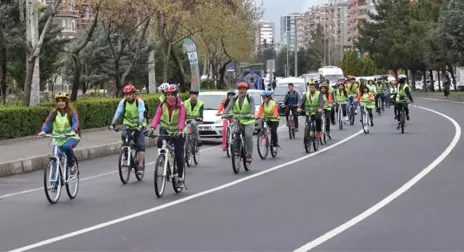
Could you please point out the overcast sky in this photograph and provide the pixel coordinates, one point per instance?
(273, 9)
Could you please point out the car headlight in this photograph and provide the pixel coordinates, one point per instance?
(219, 121)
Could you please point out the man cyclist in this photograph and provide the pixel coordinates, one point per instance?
(314, 104)
(380, 88)
(243, 108)
(270, 110)
(291, 102)
(352, 87)
(400, 98)
(133, 109)
(222, 106)
(171, 115)
(194, 109)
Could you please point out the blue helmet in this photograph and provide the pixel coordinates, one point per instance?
(231, 91)
(266, 93)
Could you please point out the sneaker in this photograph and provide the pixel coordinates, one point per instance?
(276, 149)
(372, 124)
(180, 182)
(73, 170)
(249, 159)
(140, 170)
(398, 126)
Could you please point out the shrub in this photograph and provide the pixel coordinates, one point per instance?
(207, 84)
(20, 121)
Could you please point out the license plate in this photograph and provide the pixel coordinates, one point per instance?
(205, 128)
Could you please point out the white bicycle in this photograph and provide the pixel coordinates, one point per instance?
(53, 180)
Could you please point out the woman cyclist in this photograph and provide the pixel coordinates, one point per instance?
(270, 109)
(341, 97)
(225, 123)
(171, 114)
(63, 120)
(366, 97)
(327, 96)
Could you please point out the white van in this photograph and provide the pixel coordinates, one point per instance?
(331, 73)
(296, 82)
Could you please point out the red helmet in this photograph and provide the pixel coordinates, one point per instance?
(242, 85)
(170, 89)
(351, 77)
(129, 89)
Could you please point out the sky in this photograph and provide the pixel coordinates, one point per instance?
(273, 9)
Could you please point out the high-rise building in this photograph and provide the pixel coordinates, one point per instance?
(357, 15)
(289, 27)
(265, 34)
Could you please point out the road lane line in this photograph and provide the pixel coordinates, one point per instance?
(179, 201)
(334, 232)
(4, 196)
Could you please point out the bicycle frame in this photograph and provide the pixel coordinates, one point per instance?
(54, 175)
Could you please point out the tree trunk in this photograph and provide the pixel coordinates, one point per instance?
(166, 54)
(222, 71)
(432, 83)
(179, 64)
(3, 73)
(439, 79)
(27, 85)
(76, 81)
(413, 73)
(453, 77)
(424, 82)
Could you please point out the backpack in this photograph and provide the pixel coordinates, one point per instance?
(145, 114)
(70, 122)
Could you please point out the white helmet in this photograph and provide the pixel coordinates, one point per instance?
(402, 76)
(163, 86)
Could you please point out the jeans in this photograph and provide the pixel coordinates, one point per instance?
(273, 127)
(398, 107)
(248, 130)
(327, 114)
(179, 143)
(67, 148)
(348, 104)
(294, 112)
(318, 118)
(139, 138)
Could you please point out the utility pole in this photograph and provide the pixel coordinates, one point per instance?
(32, 35)
(151, 67)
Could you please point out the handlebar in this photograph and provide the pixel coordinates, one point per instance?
(175, 135)
(127, 129)
(58, 136)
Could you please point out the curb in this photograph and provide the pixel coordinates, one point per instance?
(40, 162)
(439, 96)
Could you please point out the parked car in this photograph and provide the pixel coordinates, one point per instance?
(212, 124)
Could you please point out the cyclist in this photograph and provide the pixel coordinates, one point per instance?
(171, 115)
(194, 109)
(332, 110)
(328, 100)
(371, 86)
(380, 87)
(243, 108)
(401, 92)
(64, 120)
(224, 103)
(270, 109)
(314, 104)
(352, 87)
(341, 97)
(367, 98)
(133, 110)
(291, 102)
(161, 89)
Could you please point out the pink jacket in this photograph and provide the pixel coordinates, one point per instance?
(182, 114)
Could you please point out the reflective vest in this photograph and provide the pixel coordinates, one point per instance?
(380, 88)
(243, 113)
(162, 98)
(352, 89)
(401, 94)
(269, 110)
(131, 115)
(196, 110)
(170, 124)
(365, 101)
(61, 126)
(372, 88)
(312, 105)
(327, 105)
(340, 97)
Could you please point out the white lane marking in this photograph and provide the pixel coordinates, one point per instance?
(433, 99)
(4, 196)
(392, 196)
(176, 202)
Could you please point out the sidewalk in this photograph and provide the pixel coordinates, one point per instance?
(32, 153)
(459, 97)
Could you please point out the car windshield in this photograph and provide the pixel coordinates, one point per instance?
(280, 91)
(211, 101)
(333, 78)
(256, 96)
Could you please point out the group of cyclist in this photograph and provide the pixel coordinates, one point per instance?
(172, 114)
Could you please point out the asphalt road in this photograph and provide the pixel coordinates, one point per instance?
(280, 205)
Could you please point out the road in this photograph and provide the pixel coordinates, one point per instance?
(282, 204)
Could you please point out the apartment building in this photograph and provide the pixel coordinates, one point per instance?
(289, 27)
(265, 34)
(357, 15)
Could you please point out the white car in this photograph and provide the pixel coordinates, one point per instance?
(212, 124)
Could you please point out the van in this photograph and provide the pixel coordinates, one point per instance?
(331, 73)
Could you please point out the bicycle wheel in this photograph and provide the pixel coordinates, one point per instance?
(124, 163)
(365, 121)
(235, 155)
(160, 174)
(196, 153)
(316, 140)
(48, 182)
(188, 151)
(246, 165)
(379, 105)
(340, 118)
(228, 148)
(402, 121)
(290, 126)
(72, 180)
(324, 135)
(174, 181)
(263, 144)
(352, 115)
(138, 176)
(306, 140)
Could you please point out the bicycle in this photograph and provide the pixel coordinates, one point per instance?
(228, 137)
(263, 137)
(310, 135)
(380, 104)
(387, 101)
(402, 115)
(56, 178)
(340, 116)
(351, 111)
(324, 132)
(237, 147)
(365, 119)
(291, 123)
(192, 150)
(128, 157)
(165, 166)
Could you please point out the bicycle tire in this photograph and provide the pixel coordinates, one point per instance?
(52, 200)
(138, 176)
(340, 119)
(246, 165)
(402, 121)
(352, 115)
(121, 173)
(290, 126)
(228, 148)
(196, 153)
(379, 105)
(188, 151)
(365, 122)
(262, 137)
(72, 195)
(160, 164)
(306, 140)
(233, 156)
(174, 181)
